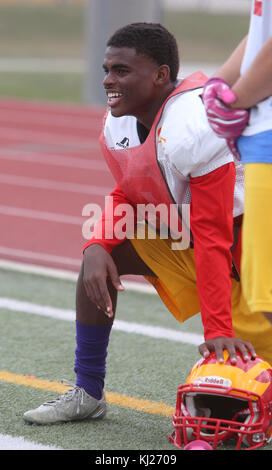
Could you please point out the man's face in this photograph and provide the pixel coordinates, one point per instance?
(129, 82)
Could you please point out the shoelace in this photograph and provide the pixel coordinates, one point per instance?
(69, 395)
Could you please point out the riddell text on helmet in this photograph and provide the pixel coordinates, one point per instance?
(214, 380)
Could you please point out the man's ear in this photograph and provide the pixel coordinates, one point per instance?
(162, 76)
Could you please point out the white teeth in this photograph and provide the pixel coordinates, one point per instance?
(114, 95)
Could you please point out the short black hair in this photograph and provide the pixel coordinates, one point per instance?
(152, 40)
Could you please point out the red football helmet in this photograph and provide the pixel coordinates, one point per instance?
(222, 402)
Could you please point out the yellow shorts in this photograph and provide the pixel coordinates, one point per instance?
(256, 267)
(176, 286)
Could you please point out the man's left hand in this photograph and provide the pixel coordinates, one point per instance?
(232, 345)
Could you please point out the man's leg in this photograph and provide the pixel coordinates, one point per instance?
(93, 327)
(127, 262)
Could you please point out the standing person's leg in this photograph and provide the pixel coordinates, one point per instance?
(257, 228)
(93, 327)
(253, 296)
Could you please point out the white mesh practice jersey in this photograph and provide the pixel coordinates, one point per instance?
(186, 145)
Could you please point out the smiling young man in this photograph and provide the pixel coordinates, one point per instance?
(158, 144)
(129, 84)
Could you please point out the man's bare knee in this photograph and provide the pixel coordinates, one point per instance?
(268, 315)
(128, 261)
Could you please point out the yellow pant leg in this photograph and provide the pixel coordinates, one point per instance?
(176, 276)
(256, 268)
(252, 327)
(176, 285)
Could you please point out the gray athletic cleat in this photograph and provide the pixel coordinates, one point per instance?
(75, 404)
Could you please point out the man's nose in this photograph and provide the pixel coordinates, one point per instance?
(109, 80)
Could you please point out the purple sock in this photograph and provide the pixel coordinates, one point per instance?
(90, 362)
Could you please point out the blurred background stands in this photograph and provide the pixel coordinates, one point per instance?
(53, 49)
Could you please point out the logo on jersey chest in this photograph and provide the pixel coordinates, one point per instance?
(124, 143)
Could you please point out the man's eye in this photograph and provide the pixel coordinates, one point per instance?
(122, 71)
(116, 71)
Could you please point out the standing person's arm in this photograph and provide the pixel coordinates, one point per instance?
(230, 70)
(217, 95)
(256, 83)
(228, 93)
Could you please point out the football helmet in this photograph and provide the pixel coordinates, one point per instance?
(225, 402)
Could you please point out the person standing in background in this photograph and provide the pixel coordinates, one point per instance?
(238, 103)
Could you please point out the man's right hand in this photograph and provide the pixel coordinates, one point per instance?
(232, 345)
(98, 266)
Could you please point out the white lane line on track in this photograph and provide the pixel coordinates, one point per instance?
(41, 257)
(65, 139)
(46, 158)
(8, 442)
(119, 325)
(43, 117)
(41, 183)
(40, 215)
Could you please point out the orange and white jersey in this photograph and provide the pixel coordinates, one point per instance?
(180, 158)
(186, 146)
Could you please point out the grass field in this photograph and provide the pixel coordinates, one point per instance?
(143, 371)
(58, 32)
(37, 312)
(140, 368)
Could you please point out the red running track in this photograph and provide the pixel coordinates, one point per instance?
(50, 168)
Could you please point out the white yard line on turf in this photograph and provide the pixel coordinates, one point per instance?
(119, 325)
(69, 315)
(64, 274)
(8, 442)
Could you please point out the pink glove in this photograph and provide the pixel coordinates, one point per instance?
(226, 122)
(231, 143)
